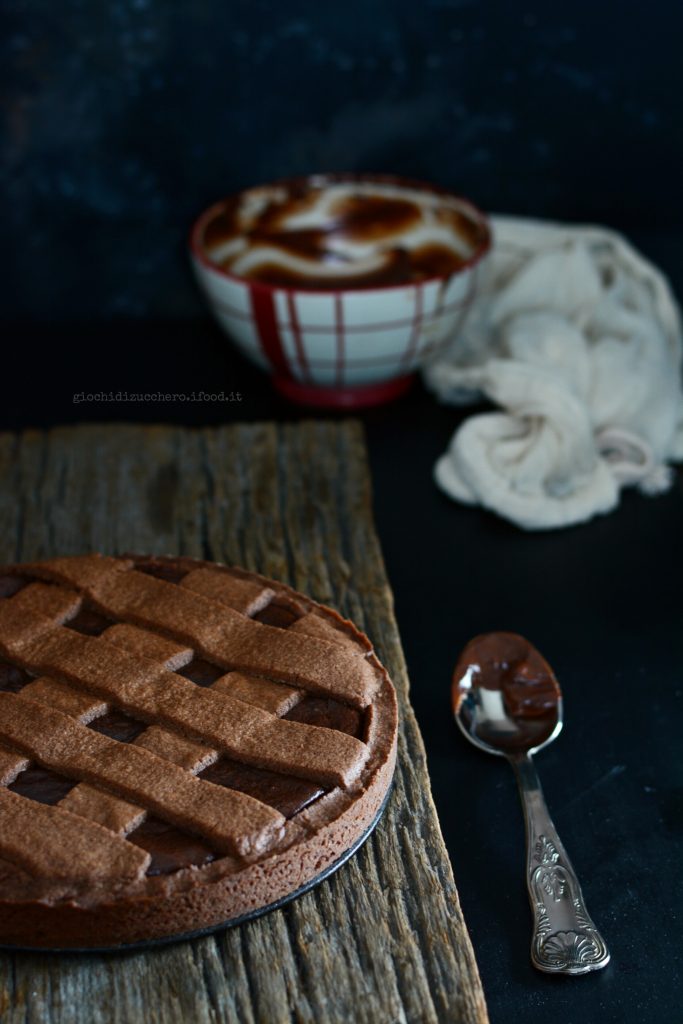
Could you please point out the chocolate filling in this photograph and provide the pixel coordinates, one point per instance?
(118, 726)
(170, 573)
(89, 623)
(170, 848)
(288, 795)
(201, 672)
(12, 678)
(278, 613)
(11, 585)
(328, 713)
(41, 784)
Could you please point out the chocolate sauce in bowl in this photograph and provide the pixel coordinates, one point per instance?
(368, 217)
(342, 234)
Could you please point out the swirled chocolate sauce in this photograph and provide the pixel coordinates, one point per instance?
(340, 235)
(522, 709)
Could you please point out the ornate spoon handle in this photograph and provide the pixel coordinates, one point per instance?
(565, 940)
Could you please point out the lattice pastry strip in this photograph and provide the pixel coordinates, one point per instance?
(231, 820)
(135, 684)
(111, 811)
(61, 696)
(214, 629)
(52, 843)
(77, 703)
(245, 596)
(122, 816)
(116, 813)
(11, 764)
(225, 589)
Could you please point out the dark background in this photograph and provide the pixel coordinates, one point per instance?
(124, 120)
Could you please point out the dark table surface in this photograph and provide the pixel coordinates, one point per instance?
(602, 601)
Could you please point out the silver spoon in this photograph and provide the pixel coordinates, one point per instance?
(507, 701)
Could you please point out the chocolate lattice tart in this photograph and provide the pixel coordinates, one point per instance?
(181, 744)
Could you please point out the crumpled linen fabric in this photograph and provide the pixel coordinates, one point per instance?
(576, 338)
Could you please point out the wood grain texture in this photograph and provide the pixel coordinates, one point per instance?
(381, 941)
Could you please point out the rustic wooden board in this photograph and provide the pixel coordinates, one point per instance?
(384, 939)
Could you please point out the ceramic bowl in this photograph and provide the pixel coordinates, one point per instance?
(340, 285)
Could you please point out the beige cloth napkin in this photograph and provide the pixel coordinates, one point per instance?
(577, 339)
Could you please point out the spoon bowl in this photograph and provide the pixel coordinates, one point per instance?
(506, 699)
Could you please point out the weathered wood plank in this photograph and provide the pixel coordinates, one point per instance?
(381, 941)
